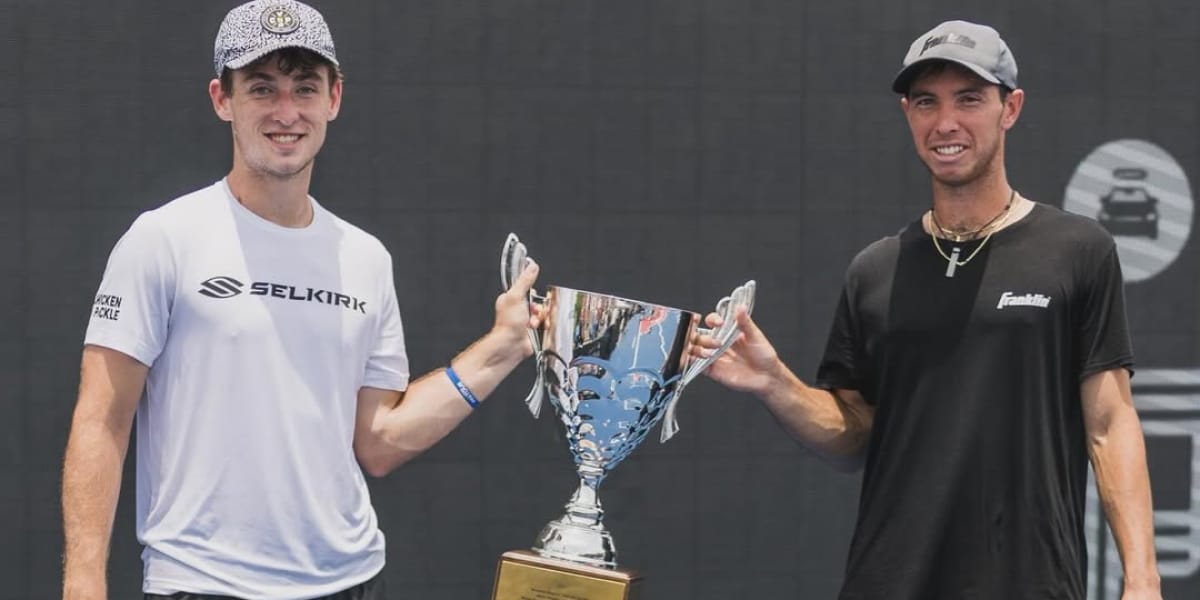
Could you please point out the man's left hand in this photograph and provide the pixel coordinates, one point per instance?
(515, 313)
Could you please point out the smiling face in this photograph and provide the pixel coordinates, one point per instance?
(958, 122)
(279, 112)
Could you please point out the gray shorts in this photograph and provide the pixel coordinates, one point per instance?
(371, 589)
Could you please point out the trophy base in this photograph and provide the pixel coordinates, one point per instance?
(563, 540)
(523, 575)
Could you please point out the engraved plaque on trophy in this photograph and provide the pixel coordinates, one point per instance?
(612, 368)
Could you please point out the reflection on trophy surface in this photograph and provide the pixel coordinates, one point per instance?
(612, 368)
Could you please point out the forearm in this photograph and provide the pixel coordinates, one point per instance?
(486, 363)
(1119, 460)
(91, 486)
(432, 406)
(834, 427)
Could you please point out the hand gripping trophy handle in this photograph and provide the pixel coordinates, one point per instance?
(513, 259)
(725, 335)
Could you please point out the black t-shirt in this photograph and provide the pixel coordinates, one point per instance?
(976, 468)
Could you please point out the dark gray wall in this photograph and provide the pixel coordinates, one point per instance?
(659, 149)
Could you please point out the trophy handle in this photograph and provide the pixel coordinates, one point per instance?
(513, 259)
(743, 295)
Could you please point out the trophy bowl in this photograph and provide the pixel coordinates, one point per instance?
(612, 368)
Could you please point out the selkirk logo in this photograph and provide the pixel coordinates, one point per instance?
(1010, 299)
(223, 286)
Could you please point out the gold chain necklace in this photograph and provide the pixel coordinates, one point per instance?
(952, 258)
(967, 235)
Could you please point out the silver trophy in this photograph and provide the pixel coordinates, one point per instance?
(613, 368)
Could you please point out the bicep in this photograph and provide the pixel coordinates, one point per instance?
(110, 385)
(855, 406)
(1104, 395)
(373, 403)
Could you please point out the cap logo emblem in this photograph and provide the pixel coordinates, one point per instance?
(949, 38)
(280, 20)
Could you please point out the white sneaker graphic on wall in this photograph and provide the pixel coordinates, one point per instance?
(1010, 299)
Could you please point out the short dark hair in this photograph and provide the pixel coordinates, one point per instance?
(288, 60)
(937, 67)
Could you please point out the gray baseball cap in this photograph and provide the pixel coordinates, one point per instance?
(256, 29)
(976, 47)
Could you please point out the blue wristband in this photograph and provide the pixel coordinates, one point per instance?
(462, 388)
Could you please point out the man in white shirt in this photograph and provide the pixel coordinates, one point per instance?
(258, 340)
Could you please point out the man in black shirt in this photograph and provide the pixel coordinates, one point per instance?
(977, 360)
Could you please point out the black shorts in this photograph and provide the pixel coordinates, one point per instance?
(371, 589)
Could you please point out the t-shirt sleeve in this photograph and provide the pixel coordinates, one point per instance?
(387, 364)
(841, 365)
(1104, 331)
(133, 305)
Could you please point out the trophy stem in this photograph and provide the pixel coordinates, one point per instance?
(579, 535)
(584, 507)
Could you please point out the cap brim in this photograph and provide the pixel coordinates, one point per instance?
(250, 57)
(904, 78)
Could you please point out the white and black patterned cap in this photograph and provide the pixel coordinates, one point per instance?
(256, 29)
(974, 46)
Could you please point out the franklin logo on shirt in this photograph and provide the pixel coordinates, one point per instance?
(222, 286)
(1008, 299)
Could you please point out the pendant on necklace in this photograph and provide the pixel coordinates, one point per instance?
(953, 262)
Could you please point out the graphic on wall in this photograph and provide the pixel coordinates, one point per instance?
(1141, 195)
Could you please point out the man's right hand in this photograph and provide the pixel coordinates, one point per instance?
(835, 424)
(750, 364)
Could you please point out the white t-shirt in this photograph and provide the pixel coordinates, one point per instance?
(258, 338)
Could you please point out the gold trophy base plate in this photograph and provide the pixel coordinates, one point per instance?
(524, 575)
